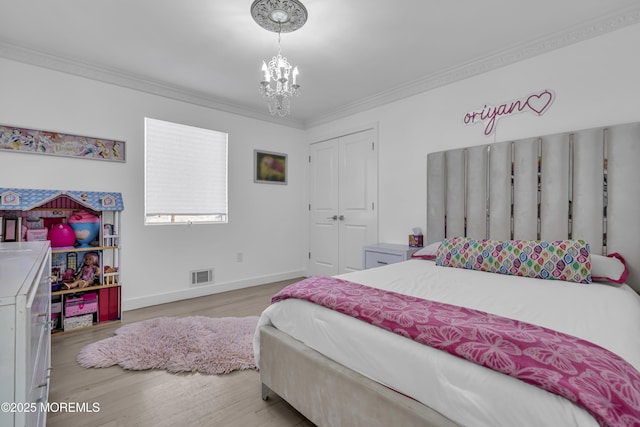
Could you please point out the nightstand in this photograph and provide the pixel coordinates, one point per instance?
(385, 253)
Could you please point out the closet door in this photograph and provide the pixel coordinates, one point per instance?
(324, 208)
(343, 208)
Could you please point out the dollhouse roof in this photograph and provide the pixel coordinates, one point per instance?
(24, 199)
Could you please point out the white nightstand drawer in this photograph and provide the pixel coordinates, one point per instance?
(385, 253)
(377, 259)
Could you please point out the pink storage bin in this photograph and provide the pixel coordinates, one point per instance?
(86, 304)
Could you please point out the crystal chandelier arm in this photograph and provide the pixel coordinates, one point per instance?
(265, 70)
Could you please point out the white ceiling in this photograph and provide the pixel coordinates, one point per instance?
(352, 54)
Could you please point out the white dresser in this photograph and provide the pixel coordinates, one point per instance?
(25, 333)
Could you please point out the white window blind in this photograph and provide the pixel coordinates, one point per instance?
(185, 173)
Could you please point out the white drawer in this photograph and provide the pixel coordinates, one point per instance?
(39, 317)
(41, 361)
(378, 259)
(39, 395)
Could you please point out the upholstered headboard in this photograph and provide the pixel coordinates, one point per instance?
(577, 185)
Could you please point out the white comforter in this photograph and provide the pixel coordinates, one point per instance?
(462, 391)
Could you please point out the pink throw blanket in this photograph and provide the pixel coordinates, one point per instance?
(596, 379)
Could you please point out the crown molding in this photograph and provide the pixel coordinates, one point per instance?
(136, 82)
(619, 20)
(616, 21)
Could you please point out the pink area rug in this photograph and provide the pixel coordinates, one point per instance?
(177, 344)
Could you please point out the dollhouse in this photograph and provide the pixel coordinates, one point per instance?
(84, 230)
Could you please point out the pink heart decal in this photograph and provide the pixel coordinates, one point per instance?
(539, 103)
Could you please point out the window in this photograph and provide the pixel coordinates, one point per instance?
(185, 172)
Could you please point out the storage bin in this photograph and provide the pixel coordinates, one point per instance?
(56, 307)
(109, 304)
(78, 322)
(87, 303)
(55, 321)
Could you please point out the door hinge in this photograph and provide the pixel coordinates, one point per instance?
(309, 206)
(309, 255)
(373, 146)
(373, 206)
(309, 159)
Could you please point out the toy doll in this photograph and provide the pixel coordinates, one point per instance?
(87, 274)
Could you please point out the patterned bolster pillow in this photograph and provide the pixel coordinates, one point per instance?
(567, 260)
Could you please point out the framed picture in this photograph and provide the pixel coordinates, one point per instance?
(35, 141)
(269, 168)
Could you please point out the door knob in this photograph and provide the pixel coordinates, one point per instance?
(335, 217)
(341, 217)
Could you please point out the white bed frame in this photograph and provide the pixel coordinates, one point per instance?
(579, 185)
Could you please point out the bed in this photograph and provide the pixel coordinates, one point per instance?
(577, 187)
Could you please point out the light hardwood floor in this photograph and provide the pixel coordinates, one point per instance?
(157, 398)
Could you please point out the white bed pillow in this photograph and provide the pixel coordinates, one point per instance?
(610, 268)
(428, 252)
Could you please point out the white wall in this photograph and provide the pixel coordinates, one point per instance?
(267, 223)
(596, 82)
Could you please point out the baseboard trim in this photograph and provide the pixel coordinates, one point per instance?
(146, 301)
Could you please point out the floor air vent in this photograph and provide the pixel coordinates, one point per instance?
(202, 277)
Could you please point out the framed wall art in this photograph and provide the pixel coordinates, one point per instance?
(269, 168)
(59, 144)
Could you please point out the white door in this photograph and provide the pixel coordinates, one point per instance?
(343, 202)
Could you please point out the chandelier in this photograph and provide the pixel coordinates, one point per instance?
(279, 81)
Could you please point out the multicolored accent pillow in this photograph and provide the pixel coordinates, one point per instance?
(568, 260)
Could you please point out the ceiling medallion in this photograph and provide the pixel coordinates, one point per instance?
(279, 16)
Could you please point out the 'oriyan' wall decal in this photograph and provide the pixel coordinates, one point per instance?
(536, 103)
